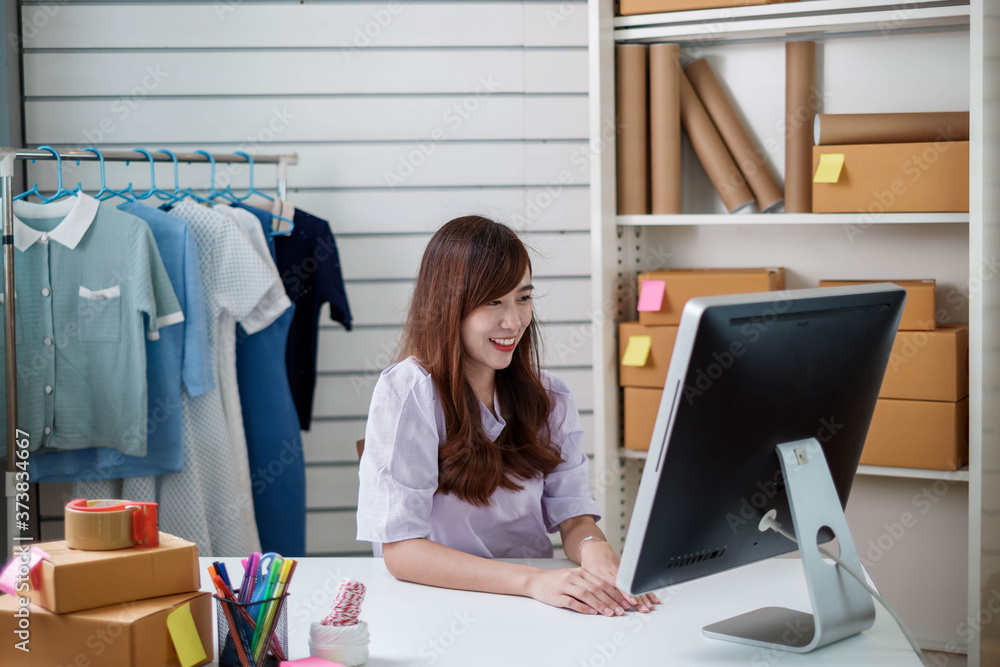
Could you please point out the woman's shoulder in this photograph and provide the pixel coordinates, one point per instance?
(405, 376)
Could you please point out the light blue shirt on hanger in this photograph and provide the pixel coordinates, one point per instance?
(179, 361)
(85, 277)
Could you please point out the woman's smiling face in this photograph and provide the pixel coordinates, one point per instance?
(491, 331)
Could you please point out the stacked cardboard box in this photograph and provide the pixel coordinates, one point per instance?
(922, 416)
(645, 347)
(106, 607)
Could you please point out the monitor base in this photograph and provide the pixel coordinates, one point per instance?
(842, 607)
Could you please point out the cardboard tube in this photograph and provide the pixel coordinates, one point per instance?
(711, 150)
(665, 127)
(751, 160)
(800, 109)
(633, 129)
(890, 128)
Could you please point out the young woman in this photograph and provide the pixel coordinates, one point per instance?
(471, 452)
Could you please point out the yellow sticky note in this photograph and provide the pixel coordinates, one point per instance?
(829, 168)
(185, 636)
(637, 350)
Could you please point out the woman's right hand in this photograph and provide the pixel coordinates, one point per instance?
(579, 590)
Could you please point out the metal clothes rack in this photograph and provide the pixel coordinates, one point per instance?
(8, 156)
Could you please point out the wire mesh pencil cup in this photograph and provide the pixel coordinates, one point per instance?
(238, 649)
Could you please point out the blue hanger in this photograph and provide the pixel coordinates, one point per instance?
(253, 191)
(213, 193)
(105, 192)
(60, 190)
(152, 175)
(176, 195)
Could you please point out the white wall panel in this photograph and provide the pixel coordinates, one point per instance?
(333, 533)
(411, 210)
(390, 167)
(351, 27)
(306, 72)
(332, 486)
(385, 303)
(361, 118)
(404, 115)
(333, 441)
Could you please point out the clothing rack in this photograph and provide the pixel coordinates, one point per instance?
(8, 156)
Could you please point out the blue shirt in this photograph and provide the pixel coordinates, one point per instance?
(310, 268)
(179, 360)
(274, 440)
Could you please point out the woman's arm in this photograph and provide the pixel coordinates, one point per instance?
(425, 562)
(597, 556)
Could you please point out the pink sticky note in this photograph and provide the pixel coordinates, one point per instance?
(8, 578)
(309, 662)
(651, 294)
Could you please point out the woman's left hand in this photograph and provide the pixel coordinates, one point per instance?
(601, 560)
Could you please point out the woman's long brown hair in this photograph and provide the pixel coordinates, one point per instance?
(468, 262)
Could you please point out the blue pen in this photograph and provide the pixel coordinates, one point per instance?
(221, 567)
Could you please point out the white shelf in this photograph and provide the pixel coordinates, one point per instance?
(808, 19)
(861, 219)
(960, 475)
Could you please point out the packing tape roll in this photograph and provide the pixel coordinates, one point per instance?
(102, 525)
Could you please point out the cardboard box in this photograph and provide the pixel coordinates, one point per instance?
(629, 7)
(896, 178)
(130, 634)
(918, 312)
(654, 373)
(918, 434)
(929, 365)
(685, 284)
(72, 580)
(641, 406)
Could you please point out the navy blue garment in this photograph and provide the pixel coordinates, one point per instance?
(274, 441)
(310, 269)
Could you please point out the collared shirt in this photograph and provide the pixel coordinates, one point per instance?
(399, 475)
(85, 277)
(310, 268)
(178, 361)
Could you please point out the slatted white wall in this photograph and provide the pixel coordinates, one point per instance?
(404, 115)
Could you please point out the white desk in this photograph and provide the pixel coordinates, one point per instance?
(413, 625)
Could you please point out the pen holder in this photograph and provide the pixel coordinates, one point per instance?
(346, 645)
(237, 624)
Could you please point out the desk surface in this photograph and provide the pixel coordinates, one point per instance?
(413, 625)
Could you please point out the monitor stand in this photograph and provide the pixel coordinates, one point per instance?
(841, 606)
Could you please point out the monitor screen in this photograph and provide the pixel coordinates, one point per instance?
(749, 372)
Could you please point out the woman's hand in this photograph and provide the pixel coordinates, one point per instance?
(577, 589)
(600, 559)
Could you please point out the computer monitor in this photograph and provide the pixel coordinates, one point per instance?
(750, 372)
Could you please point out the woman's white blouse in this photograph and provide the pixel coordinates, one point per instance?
(399, 475)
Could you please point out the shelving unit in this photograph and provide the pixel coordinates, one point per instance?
(960, 475)
(745, 47)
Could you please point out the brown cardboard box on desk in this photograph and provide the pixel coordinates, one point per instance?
(895, 178)
(652, 373)
(72, 580)
(684, 284)
(641, 406)
(929, 365)
(627, 7)
(918, 312)
(918, 434)
(129, 634)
